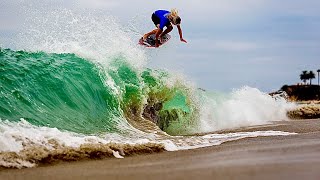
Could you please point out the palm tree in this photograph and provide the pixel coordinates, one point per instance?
(318, 71)
(311, 76)
(304, 76)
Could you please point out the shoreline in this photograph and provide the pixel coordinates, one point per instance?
(275, 157)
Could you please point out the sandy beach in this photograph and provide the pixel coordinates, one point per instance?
(278, 157)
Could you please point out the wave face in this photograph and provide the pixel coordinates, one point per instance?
(55, 90)
(68, 87)
(70, 93)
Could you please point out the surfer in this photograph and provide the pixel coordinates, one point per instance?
(162, 18)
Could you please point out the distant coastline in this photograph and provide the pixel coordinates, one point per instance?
(302, 92)
(306, 96)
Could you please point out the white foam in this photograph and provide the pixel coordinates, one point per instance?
(15, 135)
(116, 154)
(194, 142)
(17, 163)
(243, 107)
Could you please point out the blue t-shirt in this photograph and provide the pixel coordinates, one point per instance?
(162, 15)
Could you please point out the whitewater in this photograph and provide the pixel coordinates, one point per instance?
(77, 86)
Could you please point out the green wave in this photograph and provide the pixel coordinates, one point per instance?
(71, 93)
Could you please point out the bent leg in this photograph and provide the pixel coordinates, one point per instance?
(169, 29)
(145, 36)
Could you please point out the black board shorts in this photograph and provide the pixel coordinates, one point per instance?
(156, 20)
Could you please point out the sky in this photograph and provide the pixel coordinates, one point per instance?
(258, 43)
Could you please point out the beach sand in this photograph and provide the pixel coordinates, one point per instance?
(277, 157)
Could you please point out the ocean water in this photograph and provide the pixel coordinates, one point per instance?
(76, 86)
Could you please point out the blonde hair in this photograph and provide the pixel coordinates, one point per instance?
(174, 13)
(175, 16)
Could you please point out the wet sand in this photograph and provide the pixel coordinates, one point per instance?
(277, 157)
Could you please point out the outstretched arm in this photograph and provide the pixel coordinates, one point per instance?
(180, 33)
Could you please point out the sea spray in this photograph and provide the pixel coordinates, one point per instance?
(91, 35)
(242, 107)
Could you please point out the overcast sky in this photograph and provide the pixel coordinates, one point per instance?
(259, 43)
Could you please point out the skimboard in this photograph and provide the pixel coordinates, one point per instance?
(151, 42)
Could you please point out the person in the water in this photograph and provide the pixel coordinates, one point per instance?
(162, 18)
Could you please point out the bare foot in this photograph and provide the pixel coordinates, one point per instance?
(144, 37)
(161, 39)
